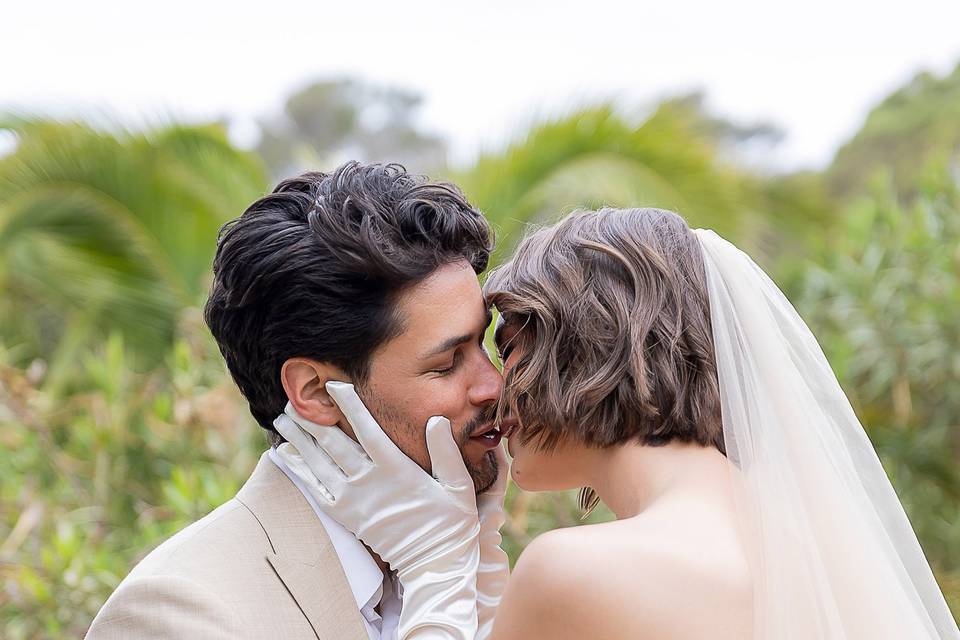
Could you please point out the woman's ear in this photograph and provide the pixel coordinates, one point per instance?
(305, 381)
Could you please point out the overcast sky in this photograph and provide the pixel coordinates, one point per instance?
(486, 69)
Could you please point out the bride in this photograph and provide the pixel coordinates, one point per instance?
(659, 368)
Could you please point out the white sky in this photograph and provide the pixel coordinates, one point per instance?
(486, 70)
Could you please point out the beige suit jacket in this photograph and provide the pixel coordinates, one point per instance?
(259, 566)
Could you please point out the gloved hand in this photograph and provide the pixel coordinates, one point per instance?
(494, 570)
(427, 529)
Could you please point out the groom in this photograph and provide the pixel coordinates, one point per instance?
(366, 275)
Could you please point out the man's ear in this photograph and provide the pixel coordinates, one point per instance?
(305, 381)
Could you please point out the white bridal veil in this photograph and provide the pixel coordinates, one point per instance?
(832, 552)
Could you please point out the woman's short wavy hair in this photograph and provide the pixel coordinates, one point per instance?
(614, 332)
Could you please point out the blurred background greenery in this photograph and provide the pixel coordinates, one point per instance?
(118, 421)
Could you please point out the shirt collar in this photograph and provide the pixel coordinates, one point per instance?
(363, 573)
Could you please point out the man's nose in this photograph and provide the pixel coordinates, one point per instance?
(487, 385)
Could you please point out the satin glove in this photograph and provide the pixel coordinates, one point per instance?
(427, 529)
(494, 570)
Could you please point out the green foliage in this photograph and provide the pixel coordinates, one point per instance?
(678, 157)
(914, 129)
(103, 231)
(119, 424)
(884, 301)
(598, 157)
(331, 121)
(94, 479)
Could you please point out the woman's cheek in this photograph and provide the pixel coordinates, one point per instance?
(516, 473)
(521, 468)
(535, 470)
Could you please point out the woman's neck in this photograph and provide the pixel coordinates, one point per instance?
(631, 477)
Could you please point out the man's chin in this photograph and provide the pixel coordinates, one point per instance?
(483, 472)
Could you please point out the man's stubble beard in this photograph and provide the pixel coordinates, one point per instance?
(484, 473)
(401, 431)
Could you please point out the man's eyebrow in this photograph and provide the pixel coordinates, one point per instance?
(456, 341)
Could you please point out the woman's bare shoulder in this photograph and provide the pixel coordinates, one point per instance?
(617, 579)
(546, 595)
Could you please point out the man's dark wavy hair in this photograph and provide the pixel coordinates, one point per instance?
(315, 268)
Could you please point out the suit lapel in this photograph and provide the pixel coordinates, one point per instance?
(304, 558)
(329, 607)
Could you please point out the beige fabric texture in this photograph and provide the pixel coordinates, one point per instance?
(259, 566)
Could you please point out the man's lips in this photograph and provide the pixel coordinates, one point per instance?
(487, 430)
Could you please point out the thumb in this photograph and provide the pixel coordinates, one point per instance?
(445, 457)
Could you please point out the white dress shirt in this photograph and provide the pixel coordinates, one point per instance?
(369, 584)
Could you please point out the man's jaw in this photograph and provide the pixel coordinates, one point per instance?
(484, 474)
(482, 435)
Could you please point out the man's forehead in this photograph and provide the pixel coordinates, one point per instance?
(447, 305)
(447, 294)
(446, 281)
